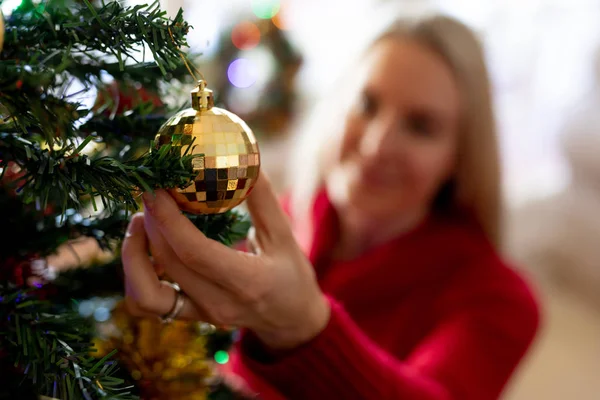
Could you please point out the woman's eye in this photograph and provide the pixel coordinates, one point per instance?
(421, 125)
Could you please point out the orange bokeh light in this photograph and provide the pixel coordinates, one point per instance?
(245, 35)
(279, 22)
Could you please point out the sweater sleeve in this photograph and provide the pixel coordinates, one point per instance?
(470, 355)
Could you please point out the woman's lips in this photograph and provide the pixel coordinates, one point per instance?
(375, 177)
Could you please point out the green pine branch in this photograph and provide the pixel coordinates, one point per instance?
(94, 281)
(31, 231)
(228, 228)
(53, 75)
(149, 74)
(49, 46)
(66, 175)
(31, 103)
(142, 123)
(40, 325)
(106, 280)
(110, 29)
(50, 343)
(41, 232)
(34, 232)
(29, 111)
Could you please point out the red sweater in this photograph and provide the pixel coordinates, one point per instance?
(434, 314)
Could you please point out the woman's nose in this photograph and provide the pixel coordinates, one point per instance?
(382, 139)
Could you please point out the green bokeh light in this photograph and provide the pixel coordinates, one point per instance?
(265, 9)
(222, 357)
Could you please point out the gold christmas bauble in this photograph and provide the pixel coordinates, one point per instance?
(230, 161)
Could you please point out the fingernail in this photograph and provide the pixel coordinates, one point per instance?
(148, 199)
(136, 225)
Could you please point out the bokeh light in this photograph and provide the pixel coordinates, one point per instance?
(281, 19)
(244, 101)
(279, 22)
(265, 9)
(86, 308)
(242, 73)
(222, 357)
(102, 314)
(245, 35)
(9, 5)
(137, 375)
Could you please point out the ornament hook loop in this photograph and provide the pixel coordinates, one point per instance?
(202, 98)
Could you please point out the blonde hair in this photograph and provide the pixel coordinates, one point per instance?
(477, 178)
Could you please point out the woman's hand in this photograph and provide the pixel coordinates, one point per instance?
(272, 292)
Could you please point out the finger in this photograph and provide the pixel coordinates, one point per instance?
(169, 261)
(268, 217)
(188, 311)
(161, 251)
(209, 295)
(209, 258)
(132, 307)
(179, 231)
(207, 298)
(252, 243)
(145, 288)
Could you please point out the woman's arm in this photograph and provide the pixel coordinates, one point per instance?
(470, 355)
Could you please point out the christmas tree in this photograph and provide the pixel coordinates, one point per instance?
(84, 87)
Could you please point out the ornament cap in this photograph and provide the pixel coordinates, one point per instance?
(202, 98)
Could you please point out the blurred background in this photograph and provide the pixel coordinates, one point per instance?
(270, 61)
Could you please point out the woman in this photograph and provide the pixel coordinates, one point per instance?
(389, 286)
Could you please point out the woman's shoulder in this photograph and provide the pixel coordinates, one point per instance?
(487, 280)
(457, 236)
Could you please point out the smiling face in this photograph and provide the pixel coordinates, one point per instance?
(400, 137)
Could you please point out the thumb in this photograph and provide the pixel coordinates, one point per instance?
(179, 232)
(161, 207)
(134, 251)
(145, 287)
(136, 226)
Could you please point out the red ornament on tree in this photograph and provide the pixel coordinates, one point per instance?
(120, 97)
(11, 177)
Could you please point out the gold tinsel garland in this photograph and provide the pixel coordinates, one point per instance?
(167, 361)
